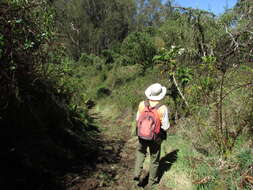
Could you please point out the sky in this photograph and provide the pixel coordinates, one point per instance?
(216, 6)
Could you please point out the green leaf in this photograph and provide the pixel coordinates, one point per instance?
(157, 57)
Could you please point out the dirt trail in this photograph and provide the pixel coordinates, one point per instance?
(114, 163)
(113, 168)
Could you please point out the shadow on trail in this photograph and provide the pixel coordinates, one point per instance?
(45, 146)
(165, 164)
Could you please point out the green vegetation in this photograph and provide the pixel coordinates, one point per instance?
(62, 62)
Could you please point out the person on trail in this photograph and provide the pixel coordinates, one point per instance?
(152, 124)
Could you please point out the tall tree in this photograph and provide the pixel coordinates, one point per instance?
(150, 13)
(91, 26)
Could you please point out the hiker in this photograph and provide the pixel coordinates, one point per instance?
(152, 139)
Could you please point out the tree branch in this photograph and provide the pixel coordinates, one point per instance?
(192, 9)
(236, 88)
(180, 92)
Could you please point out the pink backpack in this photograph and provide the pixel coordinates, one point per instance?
(149, 124)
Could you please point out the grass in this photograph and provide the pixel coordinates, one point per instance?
(196, 170)
(179, 175)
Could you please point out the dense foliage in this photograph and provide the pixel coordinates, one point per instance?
(40, 130)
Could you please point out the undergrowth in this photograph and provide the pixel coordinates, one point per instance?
(116, 92)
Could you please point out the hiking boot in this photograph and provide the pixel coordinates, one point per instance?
(144, 174)
(141, 177)
(135, 185)
(136, 178)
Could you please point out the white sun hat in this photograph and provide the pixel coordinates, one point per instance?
(155, 92)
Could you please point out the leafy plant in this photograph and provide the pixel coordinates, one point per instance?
(140, 48)
(168, 58)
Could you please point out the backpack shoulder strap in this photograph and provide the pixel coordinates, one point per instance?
(157, 106)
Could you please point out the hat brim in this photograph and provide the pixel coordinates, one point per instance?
(158, 97)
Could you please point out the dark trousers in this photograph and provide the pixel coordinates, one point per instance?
(154, 149)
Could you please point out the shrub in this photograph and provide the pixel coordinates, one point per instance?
(140, 48)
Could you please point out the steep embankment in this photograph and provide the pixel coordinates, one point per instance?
(41, 141)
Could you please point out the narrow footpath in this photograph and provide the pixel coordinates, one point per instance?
(114, 163)
(113, 169)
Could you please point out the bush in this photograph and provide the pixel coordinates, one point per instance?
(90, 59)
(140, 48)
(26, 44)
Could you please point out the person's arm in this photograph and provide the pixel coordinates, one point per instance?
(137, 115)
(165, 124)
